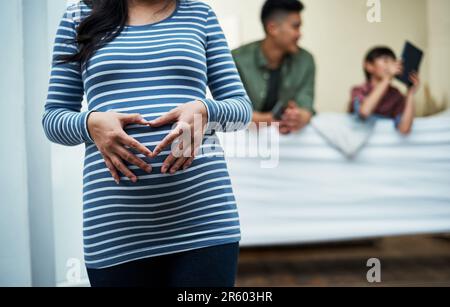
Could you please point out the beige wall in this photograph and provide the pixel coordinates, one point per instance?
(439, 49)
(338, 34)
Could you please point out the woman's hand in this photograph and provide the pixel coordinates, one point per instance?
(107, 131)
(186, 137)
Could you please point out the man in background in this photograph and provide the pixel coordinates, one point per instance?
(276, 71)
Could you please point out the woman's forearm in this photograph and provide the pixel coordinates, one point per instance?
(230, 114)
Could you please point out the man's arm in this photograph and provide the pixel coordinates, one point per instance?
(304, 97)
(301, 110)
(294, 118)
(263, 117)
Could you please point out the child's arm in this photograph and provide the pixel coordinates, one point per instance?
(406, 122)
(369, 104)
(408, 115)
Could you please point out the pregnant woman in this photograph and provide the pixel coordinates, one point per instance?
(158, 204)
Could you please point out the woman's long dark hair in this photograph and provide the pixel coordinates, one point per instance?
(105, 22)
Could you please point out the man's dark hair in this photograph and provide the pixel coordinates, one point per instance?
(273, 7)
(376, 53)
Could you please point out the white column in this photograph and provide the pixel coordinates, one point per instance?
(36, 59)
(15, 254)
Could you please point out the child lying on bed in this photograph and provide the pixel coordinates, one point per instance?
(377, 97)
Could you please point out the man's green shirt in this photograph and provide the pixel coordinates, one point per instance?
(297, 75)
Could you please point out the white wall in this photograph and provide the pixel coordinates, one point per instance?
(338, 34)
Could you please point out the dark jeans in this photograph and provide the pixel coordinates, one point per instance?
(206, 267)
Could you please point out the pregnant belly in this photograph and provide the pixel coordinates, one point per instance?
(207, 175)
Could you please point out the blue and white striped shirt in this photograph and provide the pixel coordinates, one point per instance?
(150, 69)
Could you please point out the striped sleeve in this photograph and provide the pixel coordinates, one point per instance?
(63, 121)
(230, 109)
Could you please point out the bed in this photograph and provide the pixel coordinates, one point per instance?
(394, 185)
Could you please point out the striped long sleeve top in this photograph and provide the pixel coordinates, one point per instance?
(150, 69)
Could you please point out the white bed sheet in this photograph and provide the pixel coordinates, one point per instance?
(394, 186)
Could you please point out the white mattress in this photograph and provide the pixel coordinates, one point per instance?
(394, 186)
